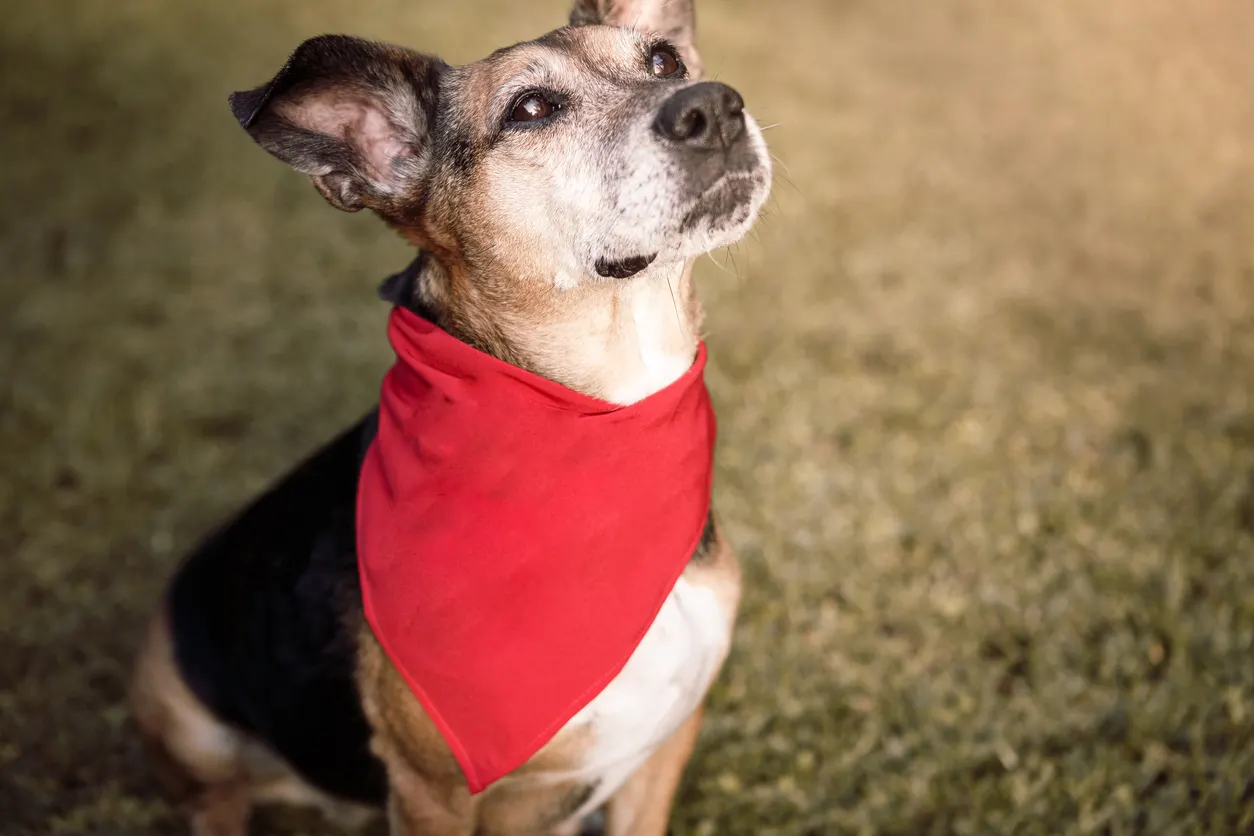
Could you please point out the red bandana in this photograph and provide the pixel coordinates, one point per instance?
(516, 538)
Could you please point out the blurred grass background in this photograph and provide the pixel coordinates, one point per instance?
(985, 376)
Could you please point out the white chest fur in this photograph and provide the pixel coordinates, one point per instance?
(661, 685)
(657, 344)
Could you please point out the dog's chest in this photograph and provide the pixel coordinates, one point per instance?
(659, 688)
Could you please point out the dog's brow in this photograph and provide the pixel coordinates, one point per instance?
(535, 73)
(595, 50)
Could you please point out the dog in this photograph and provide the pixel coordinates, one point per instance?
(558, 192)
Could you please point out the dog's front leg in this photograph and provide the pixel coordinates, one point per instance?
(642, 807)
(427, 794)
(416, 808)
(422, 801)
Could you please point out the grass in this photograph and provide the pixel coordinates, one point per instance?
(985, 376)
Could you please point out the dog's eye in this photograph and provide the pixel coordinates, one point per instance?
(532, 107)
(664, 63)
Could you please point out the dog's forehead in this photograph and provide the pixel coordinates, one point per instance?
(589, 52)
(599, 47)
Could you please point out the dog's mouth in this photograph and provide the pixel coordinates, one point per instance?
(623, 268)
(728, 196)
(713, 208)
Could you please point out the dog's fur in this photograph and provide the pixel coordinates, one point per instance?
(563, 246)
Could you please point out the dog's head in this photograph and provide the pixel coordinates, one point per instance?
(585, 155)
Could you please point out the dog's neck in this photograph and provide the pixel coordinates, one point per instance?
(618, 340)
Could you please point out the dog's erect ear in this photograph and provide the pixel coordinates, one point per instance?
(674, 20)
(354, 115)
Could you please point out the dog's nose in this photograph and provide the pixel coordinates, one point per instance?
(705, 116)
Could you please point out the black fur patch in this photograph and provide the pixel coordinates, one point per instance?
(259, 615)
(400, 289)
(709, 535)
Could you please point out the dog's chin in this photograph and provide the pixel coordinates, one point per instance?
(721, 215)
(717, 217)
(716, 232)
(696, 241)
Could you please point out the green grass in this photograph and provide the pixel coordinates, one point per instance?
(985, 376)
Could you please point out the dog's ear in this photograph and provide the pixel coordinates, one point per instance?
(674, 20)
(354, 115)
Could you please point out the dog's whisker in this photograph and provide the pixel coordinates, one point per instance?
(790, 183)
(679, 320)
(710, 255)
(785, 176)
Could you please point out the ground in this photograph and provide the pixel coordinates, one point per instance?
(985, 375)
